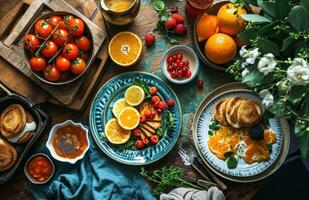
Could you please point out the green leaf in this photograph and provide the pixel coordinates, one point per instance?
(254, 78)
(267, 29)
(267, 46)
(232, 163)
(247, 35)
(253, 2)
(304, 3)
(299, 46)
(255, 18)
(287, 42)
(296, 94)
(268, 7)
(158, 5)
(298, 18)
(282, 8)
(303, 142)
(228, 154)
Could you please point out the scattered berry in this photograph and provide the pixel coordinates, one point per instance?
(199, 83)
(154, 139)
(145, 141)
(142, 118)
(179, 18)
(155, 99)
(170, 102)
(162, 105)
(153, 90)
(147, 113)
(137, 132)
(150, 38)
(171, 23)
(139, 144)
(181, 29)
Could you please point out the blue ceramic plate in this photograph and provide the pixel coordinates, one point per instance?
(243, 169)
(101, 112)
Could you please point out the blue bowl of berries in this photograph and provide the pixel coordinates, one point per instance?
(180, 64)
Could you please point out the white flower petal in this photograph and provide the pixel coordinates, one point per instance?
(268, 98)
(244, 72)
(267, 64)
(298, 72)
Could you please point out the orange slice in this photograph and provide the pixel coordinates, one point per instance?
(118, 106)
(125, 48)
(134, 95)
(115, 134)
(128, 118)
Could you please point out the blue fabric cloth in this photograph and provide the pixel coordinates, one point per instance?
(96, 176)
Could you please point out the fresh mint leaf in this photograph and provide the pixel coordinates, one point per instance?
(228, 154)
(232, 163)
(158, 5)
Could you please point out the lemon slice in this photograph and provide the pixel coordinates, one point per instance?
(119, 105)
(134, 95)
(115, 134)
(125, 48)
(128, 118)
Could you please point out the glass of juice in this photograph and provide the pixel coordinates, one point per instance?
(120, 12)
(195, 7)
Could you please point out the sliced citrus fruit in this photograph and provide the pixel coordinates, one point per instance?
(115, 134)
(134, 95)
(128, 118)
(125, 48)
(119, 105)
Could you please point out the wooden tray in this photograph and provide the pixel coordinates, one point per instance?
(73, 95)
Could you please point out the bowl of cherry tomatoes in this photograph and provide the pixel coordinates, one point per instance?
(58, 47)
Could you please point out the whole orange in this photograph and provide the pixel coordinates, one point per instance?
(220, 48)
(206, 26)
(229, 19)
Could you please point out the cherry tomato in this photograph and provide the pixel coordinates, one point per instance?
(83, 43)
(42, 29)
(51, 73)
(60, 37)
(76, 26)
(139, 144)
(83, 55)
(49, 49)
(38, 24)
(142, 118)
(66, 22)
(54, 21)
(31, 42)
(37, 63)
(154, 139)
(78, 66)
(62, 63)
(153, 90)
(70, 51)
(145, 141)
(137, 132)
(155, 99)
(170, 102)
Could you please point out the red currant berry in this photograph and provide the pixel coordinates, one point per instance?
(179, 56)
(173, 75)
(185, 68)
(174, 58)
(170, 102)
(188, 74)
(186, 63)
(180, 73)
(170, 68)
(170, 60)
(199, 83)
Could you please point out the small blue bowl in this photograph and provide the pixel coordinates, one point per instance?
(187, 54)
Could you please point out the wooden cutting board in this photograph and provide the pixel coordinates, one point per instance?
(14, 72)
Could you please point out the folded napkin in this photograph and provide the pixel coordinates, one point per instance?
(212, 193)
(94, 177)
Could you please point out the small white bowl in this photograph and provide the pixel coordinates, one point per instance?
(51, 148)
(30, 177)
(187, 54)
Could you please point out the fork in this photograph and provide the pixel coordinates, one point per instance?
(190, 157)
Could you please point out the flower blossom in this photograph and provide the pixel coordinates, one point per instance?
(267, 64)
(298, 72)
(268, 98)
(249, 55)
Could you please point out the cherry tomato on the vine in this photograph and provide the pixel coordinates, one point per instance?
(55, 20)
(76, 26)
(66, 22)
(70, 51)
(42, 29)
(83, 43)
(31, 42)
(51, 73)
(60, 37)
(62, 63)
(37, 63)
(49, 49)
(78, 66)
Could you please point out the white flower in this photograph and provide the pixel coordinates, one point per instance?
(282, 85)
(268, 98)
(249, 55)
(244, 72)
(267, 64)
(298, 72)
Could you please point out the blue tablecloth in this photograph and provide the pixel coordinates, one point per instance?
(96, 176)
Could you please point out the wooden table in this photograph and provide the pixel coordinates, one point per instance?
(145, 22)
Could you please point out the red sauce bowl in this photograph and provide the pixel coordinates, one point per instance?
(39, 168)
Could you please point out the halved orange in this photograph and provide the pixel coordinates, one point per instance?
(115, 134)
(125, 48)
(128, 118)
(134, 95)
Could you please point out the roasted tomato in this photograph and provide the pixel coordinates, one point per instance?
(76, 26)
(66, 22)
(51, 73)
(54, 21)
(60, 36)
(42, 29)
(83, 43)
(70, 51)
(78, 66)
(62, 63)
(31, 42)
(49, 49)
(37, 63)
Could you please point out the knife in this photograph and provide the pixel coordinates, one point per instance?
(200, 182)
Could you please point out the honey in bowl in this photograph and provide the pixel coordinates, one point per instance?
(118, 5)
(69, 141)
(40, 168)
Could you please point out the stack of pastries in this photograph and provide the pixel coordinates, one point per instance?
(238, 112)
(16, 126)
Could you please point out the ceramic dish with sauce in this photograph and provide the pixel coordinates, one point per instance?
(39, 168)
(68, 141)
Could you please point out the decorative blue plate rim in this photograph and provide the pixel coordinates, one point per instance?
(97, 115)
